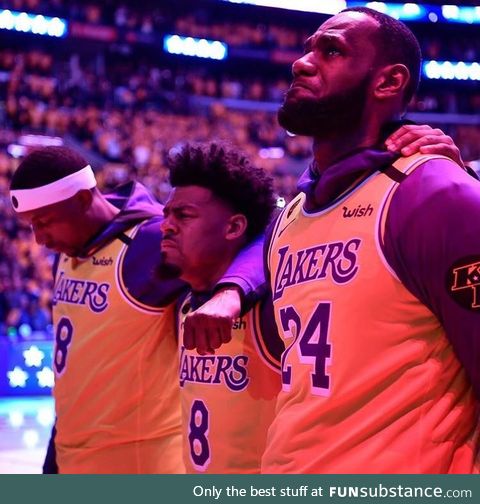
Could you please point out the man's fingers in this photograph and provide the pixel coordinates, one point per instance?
(414, 145)
(202, 342)
(205, 333)
(408, 133)
(411, 138)
(448, 150)
(214, 338)
(433, 145)
(189, 340)
(226, 332)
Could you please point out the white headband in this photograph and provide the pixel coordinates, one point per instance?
(24, 200)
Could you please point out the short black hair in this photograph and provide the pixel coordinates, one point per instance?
(230, 176)
(46, 165)
(396, 44)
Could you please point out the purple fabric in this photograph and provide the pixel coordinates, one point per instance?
(324, 189)
(247, 273)
(140, 265)
(135, 203)
(268, 328)
(433, 222)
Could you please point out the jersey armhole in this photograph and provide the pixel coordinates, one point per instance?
(261, 344)
(405, 166)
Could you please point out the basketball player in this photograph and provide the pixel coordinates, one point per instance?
(116, 385)
(219, 204)
(375, 273)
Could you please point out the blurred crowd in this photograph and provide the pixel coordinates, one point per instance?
(132, 110)
(247, 28)
(25, 269)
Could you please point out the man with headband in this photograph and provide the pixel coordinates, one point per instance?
(115, 358)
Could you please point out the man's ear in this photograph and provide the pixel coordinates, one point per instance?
(85, 198)
(391, 81)
(236, 227)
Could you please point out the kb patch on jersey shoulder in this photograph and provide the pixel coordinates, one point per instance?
(463, 282)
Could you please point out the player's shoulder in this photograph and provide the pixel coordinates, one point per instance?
(146, 236)
(144, 245)
(140, 263)
(287, 215)
(150, 228)
(438, 177)
(436, 191)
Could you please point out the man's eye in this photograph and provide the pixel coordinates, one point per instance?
(332, 51)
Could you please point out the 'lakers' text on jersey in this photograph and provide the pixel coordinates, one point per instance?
(228, 399)
(370, 382)
(116, 390)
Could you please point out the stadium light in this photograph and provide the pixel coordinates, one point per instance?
(451, 70)
(408, 11)
(331, 7)
(461, 14)
(199, 48)
(32, 23)
(405, 12)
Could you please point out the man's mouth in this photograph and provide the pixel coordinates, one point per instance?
(299, 84)
(167, 243)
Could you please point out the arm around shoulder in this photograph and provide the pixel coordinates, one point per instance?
(140, 264)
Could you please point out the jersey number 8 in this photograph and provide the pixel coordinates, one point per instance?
(63, 338)
(197, 435)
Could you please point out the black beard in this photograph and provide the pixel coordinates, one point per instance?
(166, 271)
(324, 117)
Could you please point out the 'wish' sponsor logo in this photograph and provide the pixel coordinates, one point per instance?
(239, 323)
(91, 294)
(360, 211)
(214, 369)
(337, 260)
(102, 261)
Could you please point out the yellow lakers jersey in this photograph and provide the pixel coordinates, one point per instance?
(228, 399)
(370, 382)
(116, 389)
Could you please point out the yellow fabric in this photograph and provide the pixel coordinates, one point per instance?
(228, 400)
(116, 389)
(371, 382)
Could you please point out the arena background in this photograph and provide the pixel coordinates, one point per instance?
(126, 82)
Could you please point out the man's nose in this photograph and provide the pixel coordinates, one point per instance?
(40, 236)
(167, 226)
(304, 65)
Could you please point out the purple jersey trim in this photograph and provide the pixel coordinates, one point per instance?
(268, 341)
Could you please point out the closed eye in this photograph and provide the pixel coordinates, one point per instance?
(184, 213)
